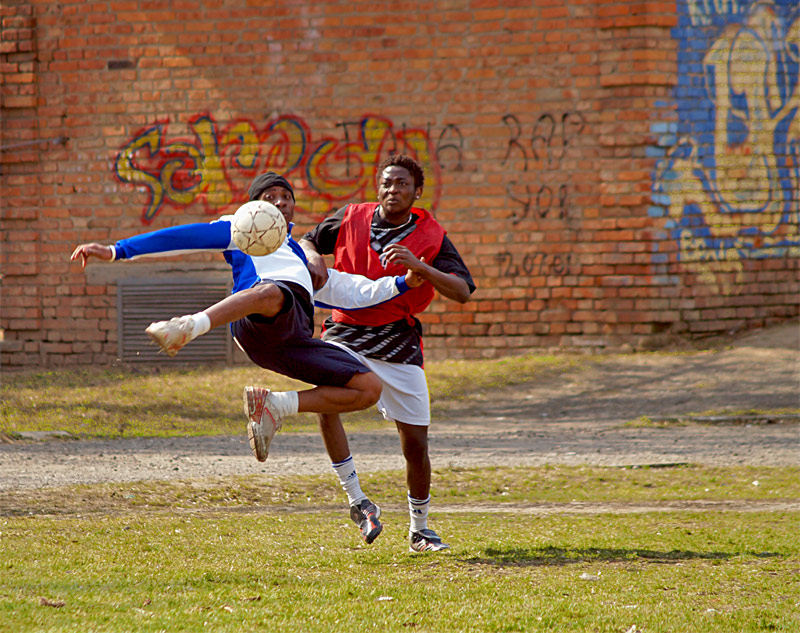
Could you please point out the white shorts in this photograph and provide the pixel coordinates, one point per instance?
(405, 390)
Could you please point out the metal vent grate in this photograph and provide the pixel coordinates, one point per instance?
(142, 301)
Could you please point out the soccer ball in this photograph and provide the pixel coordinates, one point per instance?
(258, 228)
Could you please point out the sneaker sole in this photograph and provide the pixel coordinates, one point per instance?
(257, 444)
(373, 535)
(429, 550)
(370, 537)
(257, 441)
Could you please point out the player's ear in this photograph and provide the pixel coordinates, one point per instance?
(418, 193)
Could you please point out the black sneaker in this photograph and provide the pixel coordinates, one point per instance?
(425, 541)
(365, 515)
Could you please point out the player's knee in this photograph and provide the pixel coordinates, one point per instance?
(267, 299)
(328, 420)
(368, 386)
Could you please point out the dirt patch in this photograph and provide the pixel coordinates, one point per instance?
(607, 412)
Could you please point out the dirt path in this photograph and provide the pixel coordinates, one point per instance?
(580, 417)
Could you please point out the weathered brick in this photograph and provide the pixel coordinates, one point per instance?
(547, 188)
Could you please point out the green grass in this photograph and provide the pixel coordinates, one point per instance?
(133, 402)
(254, 553)
(164, 402)
(689, 548)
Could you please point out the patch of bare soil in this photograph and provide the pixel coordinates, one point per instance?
(736, 404)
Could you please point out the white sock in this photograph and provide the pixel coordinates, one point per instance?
(346, 471)
(200, 324)
(286, 402)
(418, 511)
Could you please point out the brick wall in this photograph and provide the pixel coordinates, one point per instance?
(612, 171)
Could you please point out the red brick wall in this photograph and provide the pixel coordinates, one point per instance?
(554, 137)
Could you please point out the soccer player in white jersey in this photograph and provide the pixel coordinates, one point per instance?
(271, 312)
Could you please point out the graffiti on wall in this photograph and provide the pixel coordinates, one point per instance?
(514, 264)
(539, 158)
(730, 176)
(539, 190)
(215, 164)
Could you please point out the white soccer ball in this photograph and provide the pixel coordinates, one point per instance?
(258, 228)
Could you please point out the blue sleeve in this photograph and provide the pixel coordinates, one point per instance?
(402, 285)
(214, 236)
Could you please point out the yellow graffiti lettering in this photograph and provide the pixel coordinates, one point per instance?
(244, 139)
(330, 164)
(210, 170)
(747, 179)
(173, 166)
(749, 186)
(127, 172)
(288, 153)
(702, 12)
(376, 133)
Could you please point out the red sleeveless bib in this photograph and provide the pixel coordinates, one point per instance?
(353, 254)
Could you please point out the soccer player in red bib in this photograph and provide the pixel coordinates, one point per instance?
(374, 240)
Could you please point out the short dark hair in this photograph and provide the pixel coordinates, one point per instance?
(402, 160)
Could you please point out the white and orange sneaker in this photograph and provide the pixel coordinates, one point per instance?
(171, 335)
(263, 420)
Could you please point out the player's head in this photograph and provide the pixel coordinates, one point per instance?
(275, 189)
(402, 160)
(400, 181)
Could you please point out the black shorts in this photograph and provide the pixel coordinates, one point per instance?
(286, 345)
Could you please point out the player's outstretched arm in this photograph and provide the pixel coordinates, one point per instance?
(351, 292)
(85, 252)
(175, 240)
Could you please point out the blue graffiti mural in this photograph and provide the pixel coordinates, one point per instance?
(729, 174)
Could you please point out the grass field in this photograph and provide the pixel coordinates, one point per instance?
(692, 549)
(257, 554)
(135, 402)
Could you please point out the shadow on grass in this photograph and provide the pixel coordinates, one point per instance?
(559, 556)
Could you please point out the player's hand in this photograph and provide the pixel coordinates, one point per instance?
(86, 251)
(397, 254)
(318, 269)
(414, 279)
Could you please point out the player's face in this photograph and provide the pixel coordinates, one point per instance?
(396, 190)
(282, 199)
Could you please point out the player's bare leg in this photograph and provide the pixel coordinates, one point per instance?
(363, 512)
(266, 299)
(267, 409)
(360, 392)
(414, 443)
